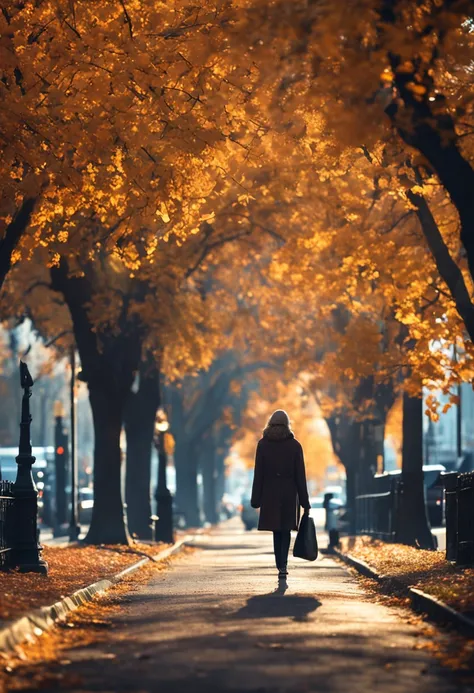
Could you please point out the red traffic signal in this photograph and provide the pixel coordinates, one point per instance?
(60, 450)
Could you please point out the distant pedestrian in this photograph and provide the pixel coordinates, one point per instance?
(279, 485)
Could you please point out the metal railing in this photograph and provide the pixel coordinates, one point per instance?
(459, 517)
(6, 507)
(376, 513)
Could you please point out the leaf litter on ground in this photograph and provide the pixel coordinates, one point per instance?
(70, 568)
(426, 570)
(43, 663)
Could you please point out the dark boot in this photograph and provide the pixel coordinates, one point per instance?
(284, 548)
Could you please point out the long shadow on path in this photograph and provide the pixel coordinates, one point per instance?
(277, 605)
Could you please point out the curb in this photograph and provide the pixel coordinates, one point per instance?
(361, 566)
(435, 610)
(36, 622)
(439, 612)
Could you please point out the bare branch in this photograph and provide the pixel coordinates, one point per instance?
(127, 18)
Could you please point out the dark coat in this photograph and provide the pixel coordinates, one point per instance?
(279, 483)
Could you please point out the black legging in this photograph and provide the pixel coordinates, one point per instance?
(281, 546)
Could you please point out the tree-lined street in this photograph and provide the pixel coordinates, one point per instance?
(216, 622)
(212, 211)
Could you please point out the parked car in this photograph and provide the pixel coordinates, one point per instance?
(248, 514)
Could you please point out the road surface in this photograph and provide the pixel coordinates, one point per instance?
(213, 623)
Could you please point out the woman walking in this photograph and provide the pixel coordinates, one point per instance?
(279, 485)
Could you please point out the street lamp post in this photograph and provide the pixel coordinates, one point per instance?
(26, 551)
(164, 499)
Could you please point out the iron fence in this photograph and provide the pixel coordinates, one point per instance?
(376, 513)
(460, 517)
(6, 509)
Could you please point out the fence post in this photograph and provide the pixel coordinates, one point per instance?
(450, 481)
(398, 505)
(391, 509)
(465, 517)
(26, 550)
(398, 518)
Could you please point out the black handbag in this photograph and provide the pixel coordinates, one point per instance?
(306, 543)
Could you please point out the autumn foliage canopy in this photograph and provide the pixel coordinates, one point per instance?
(289, 179)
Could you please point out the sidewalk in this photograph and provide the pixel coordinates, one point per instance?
(213, 623)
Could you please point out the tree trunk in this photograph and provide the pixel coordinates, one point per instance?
(13, 233)
(220, 481)
(347, 445)
(431, 130)
(413, 525)
(369, 451)
(185, 461)
(447, 267)
(351, 496)
(108, 522)
(138, 476)
(457, 176)
(140, 414)
(355, 444)
(209, 474)
(109, 361)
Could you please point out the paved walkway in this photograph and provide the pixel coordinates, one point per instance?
(214, 624)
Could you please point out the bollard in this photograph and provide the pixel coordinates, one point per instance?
(26, 551)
